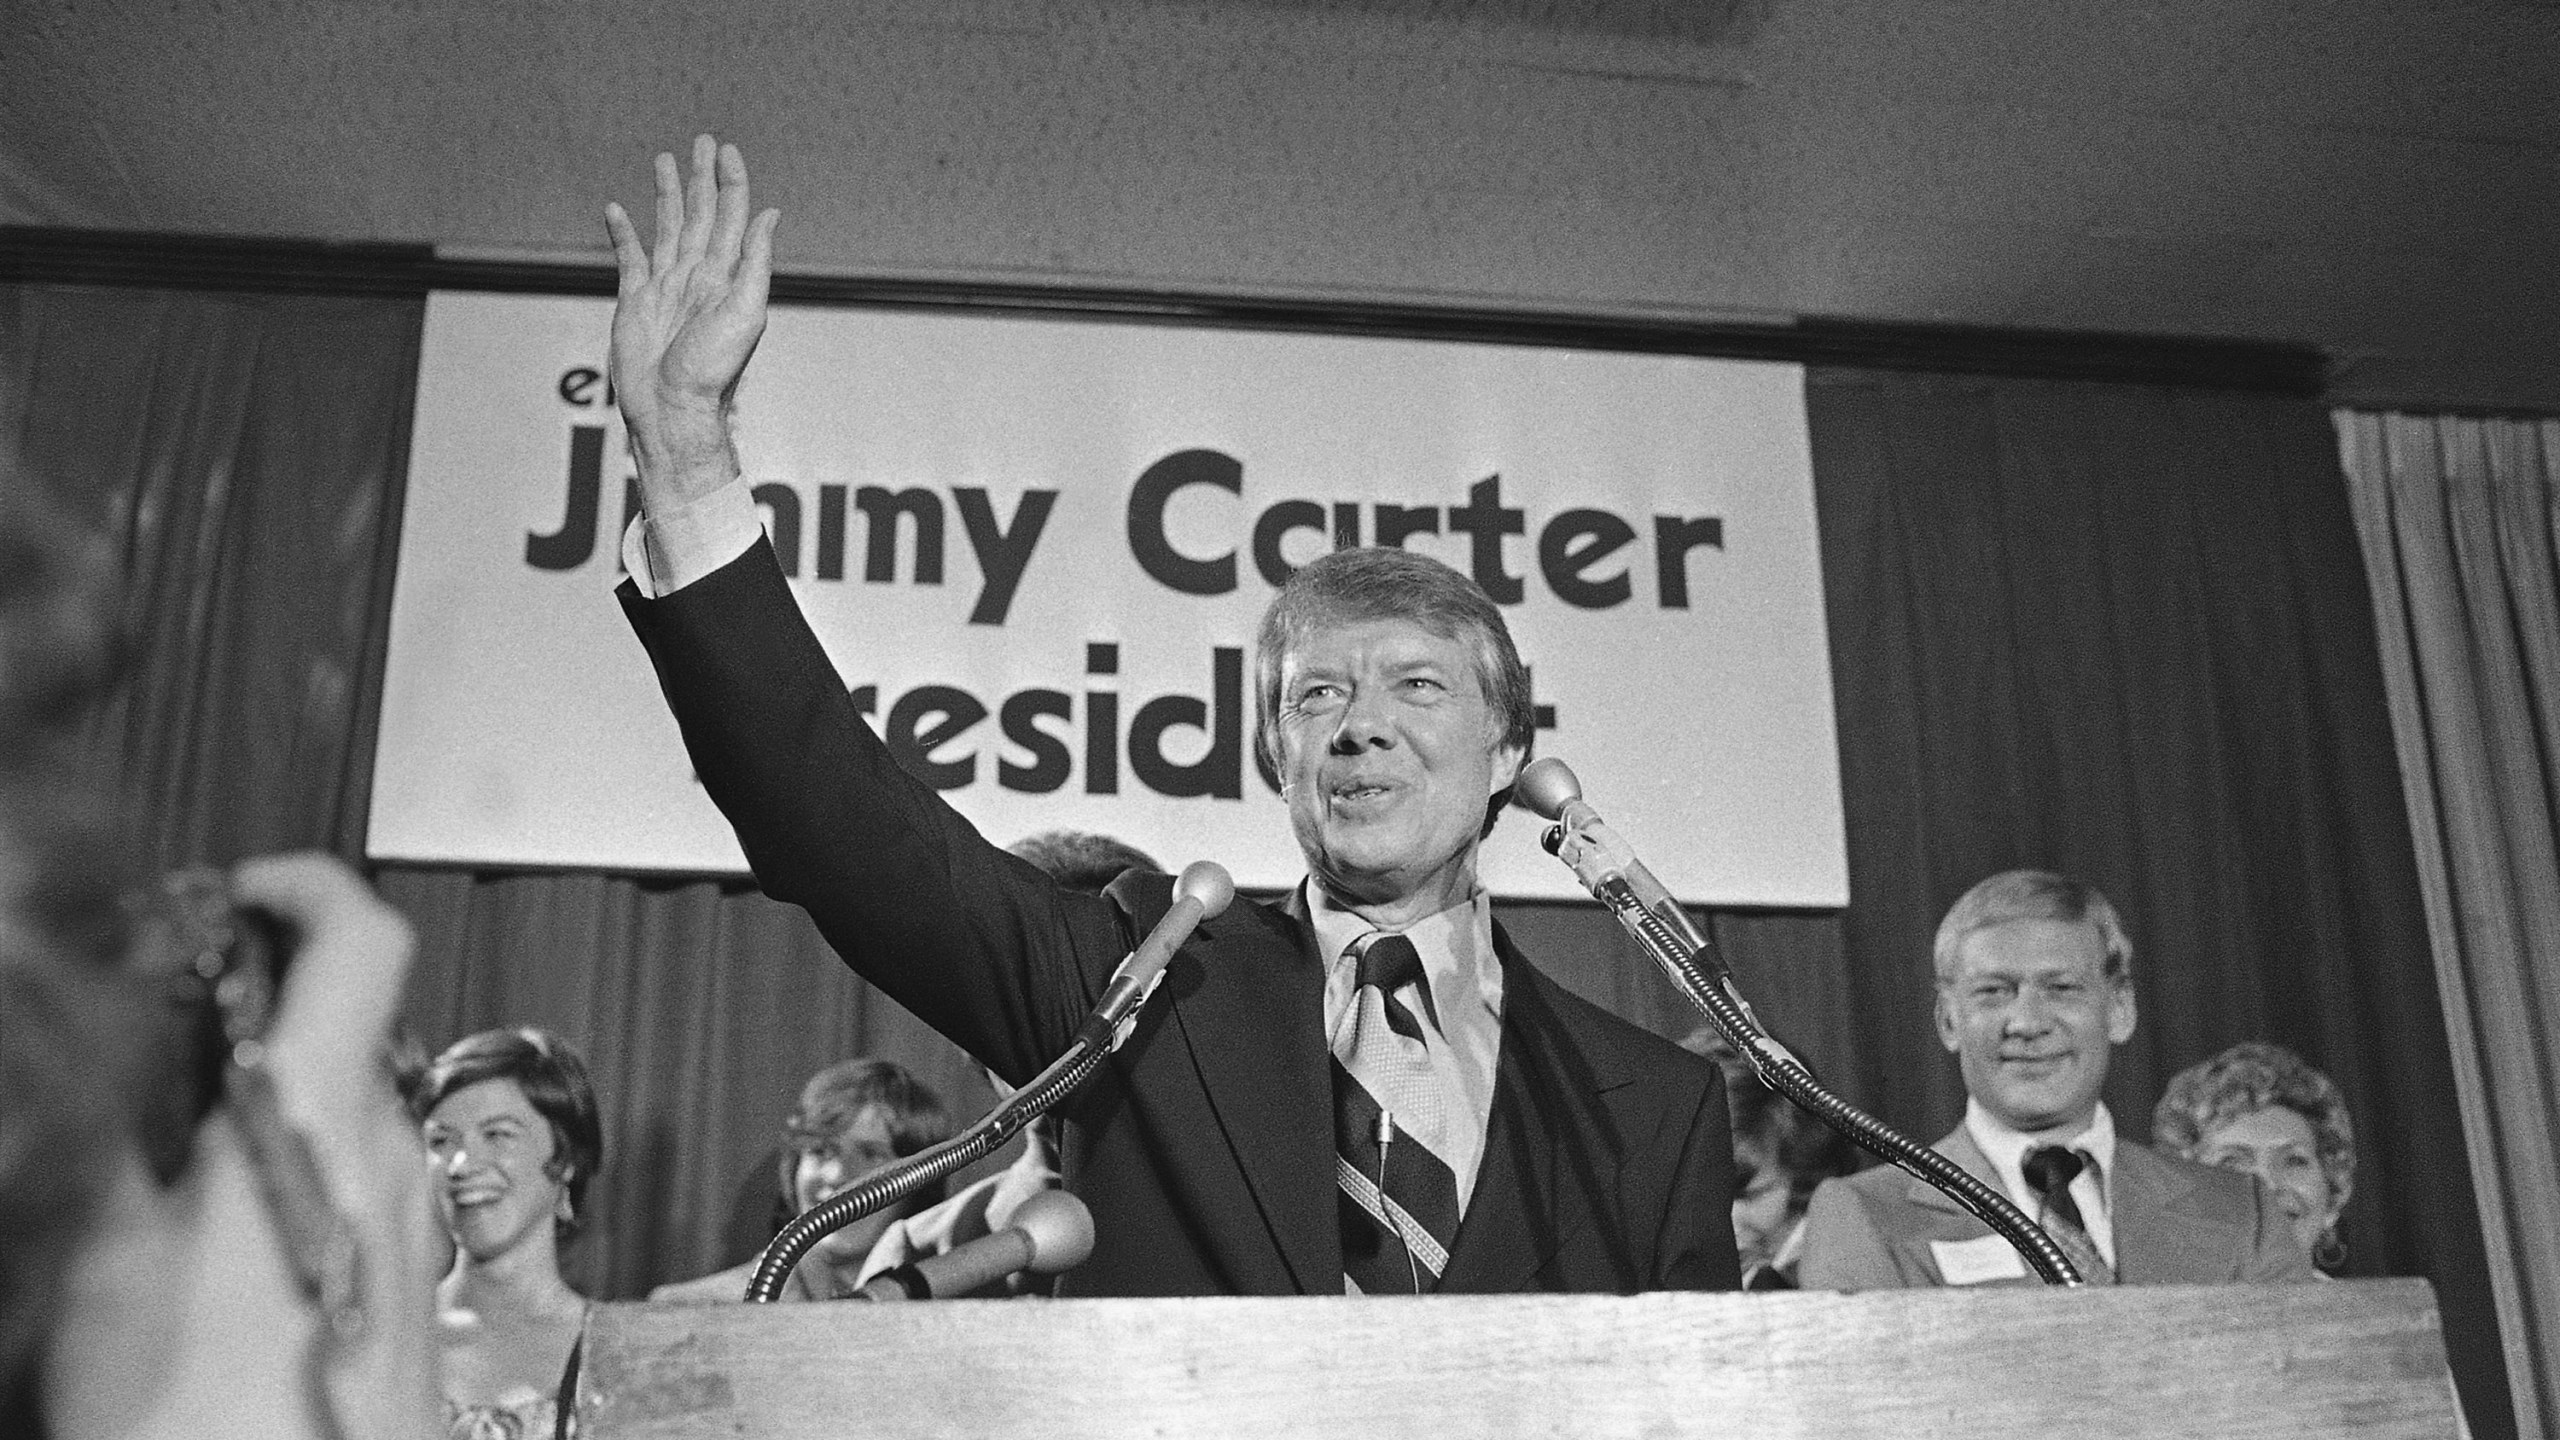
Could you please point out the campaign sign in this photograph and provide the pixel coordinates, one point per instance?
(1037, 549)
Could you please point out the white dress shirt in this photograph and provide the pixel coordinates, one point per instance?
(666, 552)
(2007, 1150)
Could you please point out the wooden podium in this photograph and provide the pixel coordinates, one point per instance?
(2353, 1358)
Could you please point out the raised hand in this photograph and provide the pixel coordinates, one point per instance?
(687, 318)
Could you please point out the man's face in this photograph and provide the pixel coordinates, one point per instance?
(2031, 1017)
(1388, 753)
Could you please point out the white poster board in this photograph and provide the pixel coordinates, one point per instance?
(1040, 548)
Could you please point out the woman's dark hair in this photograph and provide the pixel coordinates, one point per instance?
(1081, 860)
(554, 1082)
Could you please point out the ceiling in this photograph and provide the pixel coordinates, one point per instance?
(2380, 181)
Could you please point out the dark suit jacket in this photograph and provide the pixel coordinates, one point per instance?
(2175, 1222)
(1205, 1146)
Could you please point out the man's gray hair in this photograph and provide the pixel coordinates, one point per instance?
(1384, 583)
(2033, 895)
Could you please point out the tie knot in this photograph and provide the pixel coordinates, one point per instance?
(1389, 962)
(2051, 1167)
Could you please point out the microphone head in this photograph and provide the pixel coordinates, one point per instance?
(1061, 1229)
(1546, 787)
(1208, 882)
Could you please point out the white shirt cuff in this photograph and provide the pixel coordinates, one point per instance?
(666, 552)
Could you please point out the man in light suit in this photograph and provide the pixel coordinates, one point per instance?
(2035, 990)
(1573, 1151)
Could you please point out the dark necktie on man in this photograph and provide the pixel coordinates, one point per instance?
(2051, 1169)
(1399, 1201)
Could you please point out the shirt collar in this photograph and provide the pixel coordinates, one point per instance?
(1456, 946)
(2006, 1148)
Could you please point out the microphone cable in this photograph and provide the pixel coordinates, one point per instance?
(1693, 970)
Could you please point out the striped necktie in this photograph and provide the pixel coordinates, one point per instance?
(1399, 1202)
(2051, 1169)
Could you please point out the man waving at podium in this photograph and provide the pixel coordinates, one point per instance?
(1363, 1088)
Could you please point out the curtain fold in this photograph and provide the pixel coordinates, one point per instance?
(2122, 632)
(2460, 523)
(243, 452)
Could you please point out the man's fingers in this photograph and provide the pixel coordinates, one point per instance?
(670, 214)
(729, 225)
(628, 255)
(755, 267)
(701, 189)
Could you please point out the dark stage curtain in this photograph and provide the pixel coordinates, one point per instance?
(243, 453)
(2124, 632)
(2116, 630)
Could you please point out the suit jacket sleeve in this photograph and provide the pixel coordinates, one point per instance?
(976, 942)
(2275, 1256)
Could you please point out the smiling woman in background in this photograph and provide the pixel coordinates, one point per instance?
(512, 1138)
(2262, 1109)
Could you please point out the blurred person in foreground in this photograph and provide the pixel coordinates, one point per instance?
(258, 1260)
(854, 1118)
(512, 1141)
(2034, 992)
(2264, 1111)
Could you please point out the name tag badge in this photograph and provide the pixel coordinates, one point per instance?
(1973, 1262)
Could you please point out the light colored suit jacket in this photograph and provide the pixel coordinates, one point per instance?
(2175, 1222)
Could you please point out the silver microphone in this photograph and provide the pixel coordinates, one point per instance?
(1048, 1234)
(1203, 891)
(1606, 865)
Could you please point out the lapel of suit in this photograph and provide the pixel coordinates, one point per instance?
(1954, 1221)
(1255, 1030)
(1958, 1146)
(1513, 1225)
(2157, 1241)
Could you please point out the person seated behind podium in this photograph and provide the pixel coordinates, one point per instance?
(1780, 1154)
(1235, 1144)
(512, 1139)
(854, 1118)
(2034, 992)
(2264, 1111)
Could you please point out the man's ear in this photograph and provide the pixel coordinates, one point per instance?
(1943, 1010)
(2120, 1011)
(1507, 761)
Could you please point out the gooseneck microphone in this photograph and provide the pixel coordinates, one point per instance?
(1607, 867)
(1203, 891)
(1048, 1234)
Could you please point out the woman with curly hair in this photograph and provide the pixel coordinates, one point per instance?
(2262, 1109)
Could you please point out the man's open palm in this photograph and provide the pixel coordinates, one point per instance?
(689, 311)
